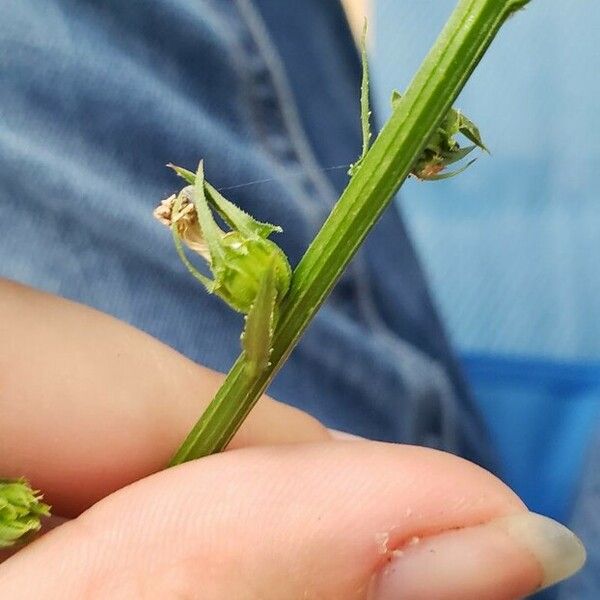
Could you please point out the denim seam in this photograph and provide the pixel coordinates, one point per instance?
(215, 19)
(353, 369)
(293, 129)
(421, 373)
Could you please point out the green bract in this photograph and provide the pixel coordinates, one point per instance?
(250, 272)
(442, 149)
(21, 510)
(365, 103)
(237, 259)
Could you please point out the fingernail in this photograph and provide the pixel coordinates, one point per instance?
(557, 549)
(506, 558)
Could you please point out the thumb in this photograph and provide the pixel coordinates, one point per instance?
(347, 520)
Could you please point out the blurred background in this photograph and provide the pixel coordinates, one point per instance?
(512, 246)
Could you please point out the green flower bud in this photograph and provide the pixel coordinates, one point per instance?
(21, 510)
(442, 149)
(238, 259)
(239, 276)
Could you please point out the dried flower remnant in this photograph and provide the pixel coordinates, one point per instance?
(186, 222)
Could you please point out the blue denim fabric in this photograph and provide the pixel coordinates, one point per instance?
(96, 97)
(586, 521)
(512, 244)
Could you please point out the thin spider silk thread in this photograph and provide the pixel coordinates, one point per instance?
(258, 181)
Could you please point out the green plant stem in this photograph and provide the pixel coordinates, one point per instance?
(457, 51)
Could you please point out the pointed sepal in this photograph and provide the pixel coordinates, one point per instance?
(471, 132)
(237, 258)
(234, 216)
(442, 149)
(365, 103)
(257, 338)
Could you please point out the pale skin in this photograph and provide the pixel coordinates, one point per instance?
(90, 405)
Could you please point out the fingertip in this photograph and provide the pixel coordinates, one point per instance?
(319, 518)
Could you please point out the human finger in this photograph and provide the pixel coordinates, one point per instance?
(90, 404)
(339, 520)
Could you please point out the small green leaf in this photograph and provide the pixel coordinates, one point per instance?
(450, 125)
(211, 232)
(238, 219)
(396, 97)
(442, 149)
(453, 157)
(365, 102)
(183, 173)
(234, 216)
(257, 337)
(471, 131)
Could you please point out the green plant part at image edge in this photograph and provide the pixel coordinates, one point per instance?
(21, 511)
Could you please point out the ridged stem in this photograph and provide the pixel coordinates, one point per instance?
(444, 72)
